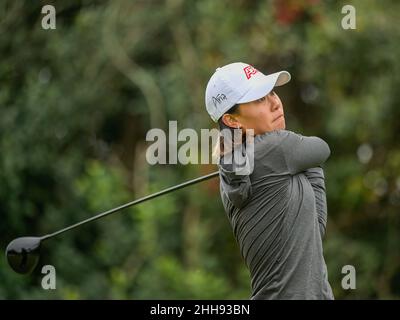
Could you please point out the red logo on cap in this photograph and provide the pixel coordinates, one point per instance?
(249, 71)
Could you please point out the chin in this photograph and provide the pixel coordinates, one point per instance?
(281, 126)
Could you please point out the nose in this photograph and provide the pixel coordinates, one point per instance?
(273, 101)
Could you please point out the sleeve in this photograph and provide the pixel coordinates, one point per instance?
(236, 187)
(317, 180)
(303, 152)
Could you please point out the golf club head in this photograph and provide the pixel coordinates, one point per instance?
(23, 254)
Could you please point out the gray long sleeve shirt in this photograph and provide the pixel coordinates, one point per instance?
(278, 214)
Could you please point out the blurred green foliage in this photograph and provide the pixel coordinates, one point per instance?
(76, 103)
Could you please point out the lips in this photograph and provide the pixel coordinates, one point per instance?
(278, 117)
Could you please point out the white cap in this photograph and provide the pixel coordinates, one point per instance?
(239, 82)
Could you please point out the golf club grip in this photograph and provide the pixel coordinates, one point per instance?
(132, 203)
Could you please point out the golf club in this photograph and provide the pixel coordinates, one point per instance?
(23, 253)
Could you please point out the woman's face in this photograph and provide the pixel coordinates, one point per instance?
(262, 115)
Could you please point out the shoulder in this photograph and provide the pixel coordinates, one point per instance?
(276, 136)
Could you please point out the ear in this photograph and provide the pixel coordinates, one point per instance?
(231, 121)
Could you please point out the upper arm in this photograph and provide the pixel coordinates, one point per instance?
(303, 152)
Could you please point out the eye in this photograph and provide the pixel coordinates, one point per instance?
(261, 99)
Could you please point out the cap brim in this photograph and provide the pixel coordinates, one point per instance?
(265, 86)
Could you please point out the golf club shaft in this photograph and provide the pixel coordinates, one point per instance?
(132, 203)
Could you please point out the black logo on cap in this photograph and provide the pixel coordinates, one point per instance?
(218, 99)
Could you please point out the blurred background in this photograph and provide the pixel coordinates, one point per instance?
(76, 104)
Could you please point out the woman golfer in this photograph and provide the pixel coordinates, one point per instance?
(278, 210)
